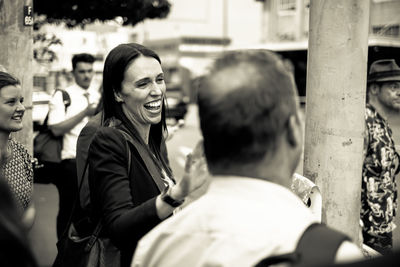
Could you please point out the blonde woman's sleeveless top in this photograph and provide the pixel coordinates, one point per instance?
(18, 173)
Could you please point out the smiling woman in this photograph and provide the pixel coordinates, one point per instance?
(132, 187)
(17, 167)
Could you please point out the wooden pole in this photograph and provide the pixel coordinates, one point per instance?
(336, 86)
(16, 55)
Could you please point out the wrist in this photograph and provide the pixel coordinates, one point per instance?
(176, 193)
(170, 196)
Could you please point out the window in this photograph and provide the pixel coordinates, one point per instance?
(379, 1)
(287, 5)
(387, 30)
(39, 82)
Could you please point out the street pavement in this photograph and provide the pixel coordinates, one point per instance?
(180, 143)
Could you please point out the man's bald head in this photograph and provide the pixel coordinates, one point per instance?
(244, 104)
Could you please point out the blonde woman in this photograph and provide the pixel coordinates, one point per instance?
(17, 167)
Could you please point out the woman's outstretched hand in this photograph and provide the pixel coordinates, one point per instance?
(196, 178)
(194, 182)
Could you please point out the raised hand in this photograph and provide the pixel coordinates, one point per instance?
(91, 107)
(196, 178)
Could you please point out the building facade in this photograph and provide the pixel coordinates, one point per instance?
(287, 20)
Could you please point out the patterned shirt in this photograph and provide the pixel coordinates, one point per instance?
(18, 173)
(379, 191)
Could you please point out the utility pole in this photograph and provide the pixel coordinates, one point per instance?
(16, 55)
(225, 19)
(336, 88)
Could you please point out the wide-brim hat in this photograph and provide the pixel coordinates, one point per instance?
(384, 70)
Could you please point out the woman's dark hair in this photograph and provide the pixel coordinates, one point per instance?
(116, 63)
(7, 79)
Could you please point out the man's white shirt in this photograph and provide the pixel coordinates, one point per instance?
(57, 114)
(238, 222)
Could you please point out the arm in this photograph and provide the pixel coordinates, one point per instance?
(82, 149)
(110, 186)
(28, 217)
(378, 172)
(65, 126)
(57, 122)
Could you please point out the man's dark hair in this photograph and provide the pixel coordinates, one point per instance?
(244, 105)
(83, 57)
(7, 79)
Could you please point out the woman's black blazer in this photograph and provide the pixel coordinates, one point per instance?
(125, 202)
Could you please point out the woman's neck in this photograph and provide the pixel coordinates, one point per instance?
(144, 132)
(4, 139)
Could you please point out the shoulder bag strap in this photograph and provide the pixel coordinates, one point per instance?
(150, 165)
(99, 225)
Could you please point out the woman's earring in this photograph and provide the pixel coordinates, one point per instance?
(118, 98)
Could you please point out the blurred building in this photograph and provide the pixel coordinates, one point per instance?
(287, 20)
(196, 30)
(285, 25)
(201, 20)
(238, 20)
(187, 40)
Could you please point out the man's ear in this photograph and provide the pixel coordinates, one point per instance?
(118, 97)
(294, 131)
(374, 89)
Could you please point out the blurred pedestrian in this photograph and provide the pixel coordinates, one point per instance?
(68, 122)
(17, 167)
(249, 118)
(15, 250)
(381, 162)
(132, 187)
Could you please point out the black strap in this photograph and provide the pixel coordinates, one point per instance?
(144, 154)
(317, 246)
(99, 225)
(290, 258)
(76, 201)
(66, 102)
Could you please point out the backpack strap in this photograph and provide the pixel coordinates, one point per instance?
(319, 244)
(66, 98)
(66, 101)
(317, 247)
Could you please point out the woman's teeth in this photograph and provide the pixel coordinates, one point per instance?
(153, 105)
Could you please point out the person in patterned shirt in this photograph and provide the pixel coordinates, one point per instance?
(381, 161)
(17, 167)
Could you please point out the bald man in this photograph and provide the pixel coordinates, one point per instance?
(249, 118)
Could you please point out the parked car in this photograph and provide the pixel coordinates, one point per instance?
(176, 104)
(177, 83)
